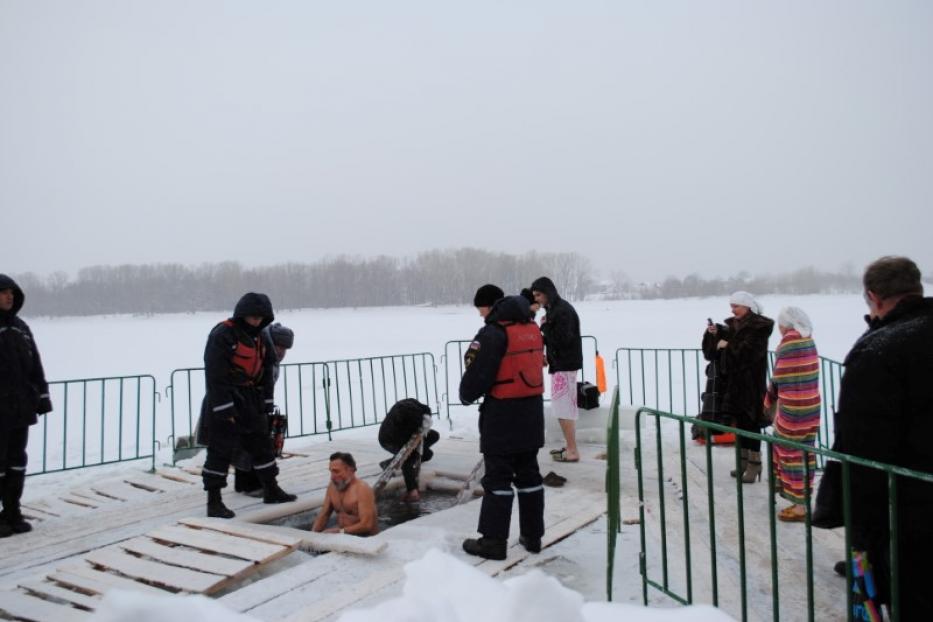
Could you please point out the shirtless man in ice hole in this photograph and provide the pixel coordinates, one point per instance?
(351, 498)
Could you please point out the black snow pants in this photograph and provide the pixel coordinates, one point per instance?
(13, 471)
(502, 471)
(412, 465)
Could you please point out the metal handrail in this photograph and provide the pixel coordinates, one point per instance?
(663, 583)
(128, 402)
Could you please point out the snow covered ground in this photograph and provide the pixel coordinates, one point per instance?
(124, 345)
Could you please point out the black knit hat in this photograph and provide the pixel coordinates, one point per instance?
(282, 336)
(487, 295)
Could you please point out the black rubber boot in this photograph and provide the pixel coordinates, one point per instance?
(5, 530)
(12, 491)
(532, 545)
(487, 548)
(216, 507)
(273, 494)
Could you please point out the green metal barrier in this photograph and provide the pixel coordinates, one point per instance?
(320, 397)
(452, 360)
(673, 380)
(613, 487)
(96, 421)
(669, 429)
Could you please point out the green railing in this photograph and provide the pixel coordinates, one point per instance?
(96, 421)
(613, 489)
(673, 380)
(711, 520)
(321, 397)
(452, 361)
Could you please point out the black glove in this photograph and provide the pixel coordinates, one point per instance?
(45, 406)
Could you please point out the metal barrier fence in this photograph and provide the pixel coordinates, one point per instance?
(453, 368)
(321, 397)
(673, 380)
(680, 588)
(96, 421)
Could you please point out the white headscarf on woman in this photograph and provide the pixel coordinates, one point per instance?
(746, 300)
(796, 318)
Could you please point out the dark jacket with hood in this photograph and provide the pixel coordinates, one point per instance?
(404, 419)
(742, 366)
(506, 426)
(23, 389)
(561, 330)
(231, 392)
(885, 414)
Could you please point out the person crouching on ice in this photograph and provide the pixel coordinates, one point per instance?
(404, 420)
(503, 366)
(351, 498)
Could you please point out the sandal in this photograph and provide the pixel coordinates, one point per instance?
(560, 456)
(554, 480)
(554, 452)
(790, 515)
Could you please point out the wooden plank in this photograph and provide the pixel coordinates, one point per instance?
(242, 530)
(93, 581)
(156, 483)
(272, 587)
(153, 572)
(179, 475)
(35, 609)
(48, 588)
(81, 502)
(343, 599)
(55, 507)
(219, 543)
(328, 542)
(187, 558)
(119, 489)
(94, 496)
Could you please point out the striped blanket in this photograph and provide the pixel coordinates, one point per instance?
(795, 386)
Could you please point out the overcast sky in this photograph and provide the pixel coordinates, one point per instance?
(655, 138)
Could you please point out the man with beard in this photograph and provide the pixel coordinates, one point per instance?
(351, 498)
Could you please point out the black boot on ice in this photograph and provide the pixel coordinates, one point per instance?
(274, 494)
(486, 548)
(216, 507)
(532, 545)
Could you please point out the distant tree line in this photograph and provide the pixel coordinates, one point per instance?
(802, 281)
(434, 277)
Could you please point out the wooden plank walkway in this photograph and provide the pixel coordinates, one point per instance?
(201, 556)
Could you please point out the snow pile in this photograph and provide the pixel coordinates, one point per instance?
(439, 588)
(124, 606)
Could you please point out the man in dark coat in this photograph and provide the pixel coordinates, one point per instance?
(511, 428)
(404, 419)
(279, 339)
(564, 347)
(885, 414)
(741, 347)
(238, 371)
(23, 394)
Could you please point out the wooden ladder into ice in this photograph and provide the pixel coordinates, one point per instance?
(196, 556)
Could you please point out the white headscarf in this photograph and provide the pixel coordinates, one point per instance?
(746, 300)
(794, 317)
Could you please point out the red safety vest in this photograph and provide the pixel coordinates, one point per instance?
(248, 357)
(521, 372)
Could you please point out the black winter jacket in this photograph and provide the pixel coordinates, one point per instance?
(561, 330)
(404, 419)
(23, 389)
(229, 392)
(506, 426)
(742, 365)
(885, 413)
